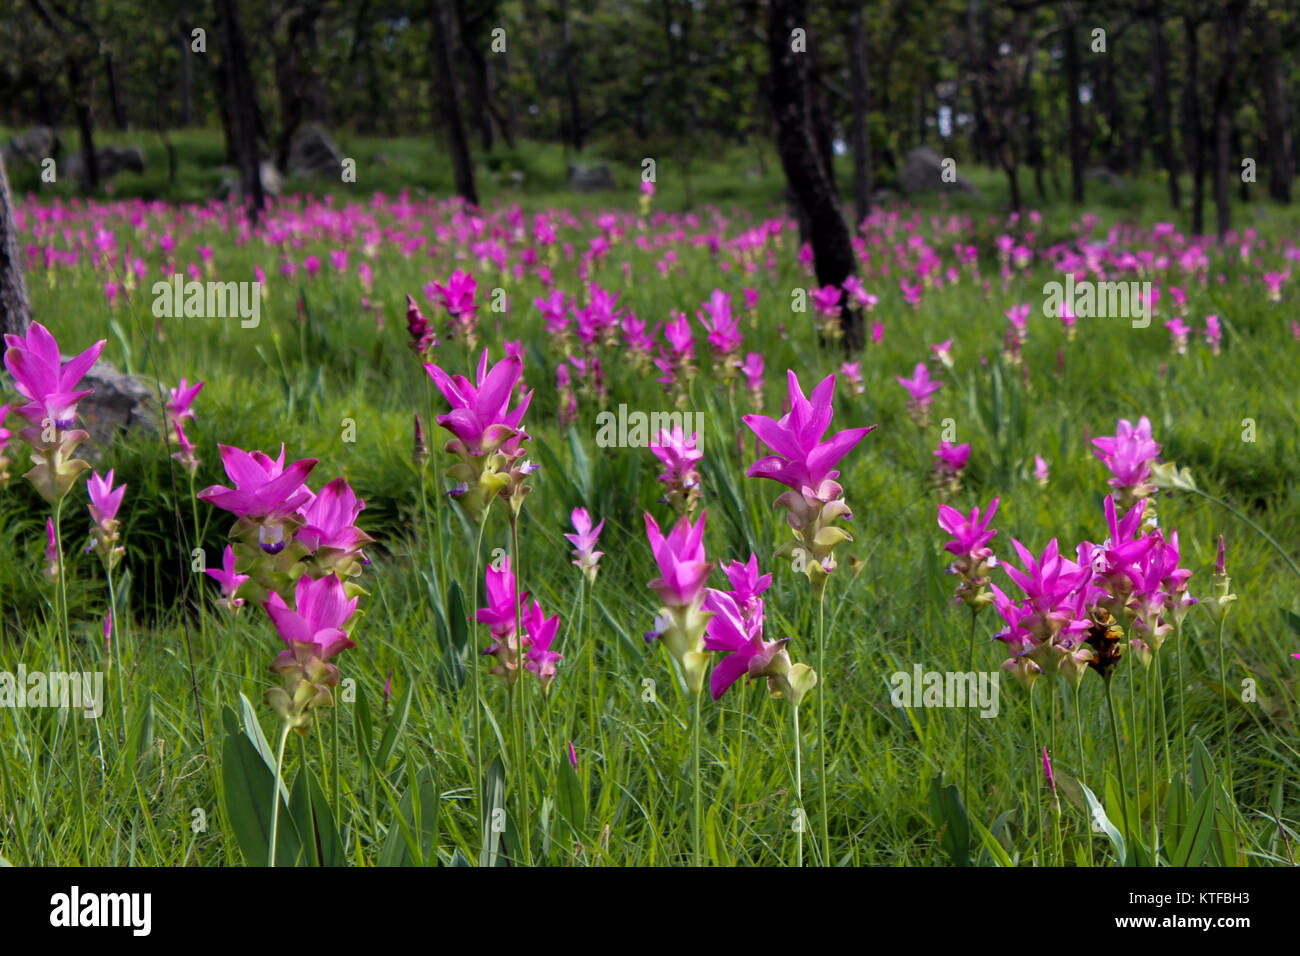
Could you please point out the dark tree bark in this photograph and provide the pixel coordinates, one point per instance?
(1192, 123)
(1277, 118)
(440, 37)
(242, 103)
(186, 81)
(470, 29)
(975, 65)
(1073, 76)
(296, 82)
(1160, 92)
(1224, 102)
(810, 182)
(78, 88)
(15, 312)
(120, 118)
(858, 76)
(570, 80)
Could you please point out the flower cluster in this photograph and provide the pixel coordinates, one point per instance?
(487, 435)
(681, 622)
(974, 559)
(679, 455)
(50, 387)
(806, 465)
(534, 635)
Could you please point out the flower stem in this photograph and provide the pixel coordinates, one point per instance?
(479, 779)
(1182, 711)
(970, 667)
(697, 814)
(1034, 785)
(1119, 761)
(116, 637)
(798, 786)
(821, 723)
(517, 691)
(1227, 734)
(275, 796)
(67, 655)
(1083, 764)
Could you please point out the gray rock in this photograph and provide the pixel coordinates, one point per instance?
(923, 172)
(119, 403)
(111, 160)
(36, 144)
(588, 179)
(1108, 176)
(231, 187)
(312, 153)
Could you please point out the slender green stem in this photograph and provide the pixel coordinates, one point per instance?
(67, 652)
(697, 808)
(1164, 717)
(1083, 766)
(1034, 786)
(824, 784)
(479, 778)
(970, 667)
(1182, 711)
(1152, 681)
(517, 706)
(116, 638)
(1227, 734)
(798, 786)
(275, 796)
(1119, 761)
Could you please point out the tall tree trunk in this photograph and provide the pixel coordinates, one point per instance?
(1192, 123)
(15, 312)
(1223, 111)
(85, 123)
(1073, 79)
(1276, 113)
(1164, 123)
(186, 81)
(440, 37)
(810, 182)
(858, 76)
(242, 103)
(975, 65)
(471, 45)
(570, 80)
(120, 119)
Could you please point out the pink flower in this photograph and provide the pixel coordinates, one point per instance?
(180, 398)
(1041, 472)
(679, 456)
(742, 639)
(921, 388)
(540, 633)
(330, 523)
(802, 459)
(41, 377)
(104, 499)
(683, 568)
(480, 416)
(230, 581)
(323, 608)
(265, 492)
(584, 543)
(1128, 454)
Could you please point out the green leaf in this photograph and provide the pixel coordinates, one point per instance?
(410, 834)
(570, 799)
(1099, 817)
(362, 727)
(949, 815)
(394, 729)
(493, 800)
(142, 735)
(311, 812)
(248, 785)
(994, 849)
(1196, 836)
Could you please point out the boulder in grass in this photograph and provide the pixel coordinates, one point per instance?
(110, 161)
(231, 189)
(32, 146)
(313, 154)
(590, 179)
(120, 403)
(923, 172)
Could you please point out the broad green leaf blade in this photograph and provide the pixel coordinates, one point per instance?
(248, 786)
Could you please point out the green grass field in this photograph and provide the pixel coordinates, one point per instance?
(397, 770)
